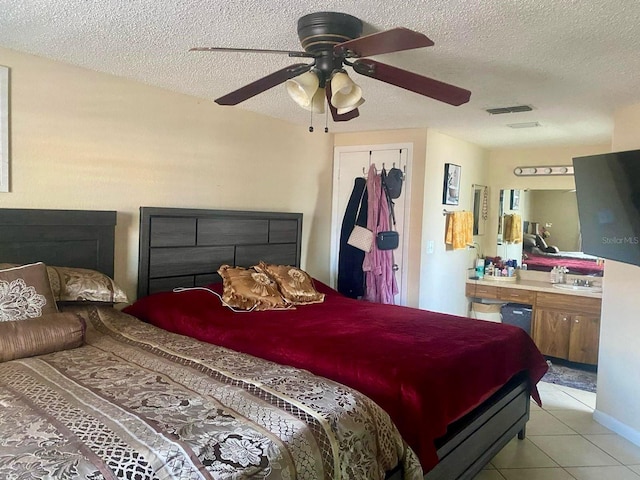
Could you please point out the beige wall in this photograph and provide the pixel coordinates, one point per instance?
(619, 367)
(418, 138)
(560, 208)
(444, 272)
(86, 140)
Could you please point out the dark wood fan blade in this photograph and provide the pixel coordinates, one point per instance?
(412, 81)
(251, 50)
(345, 117)
(262, 84)
(394, 40)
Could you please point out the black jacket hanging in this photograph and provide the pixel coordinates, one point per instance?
(350, 274)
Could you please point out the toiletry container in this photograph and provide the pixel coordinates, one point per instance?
(480, 268)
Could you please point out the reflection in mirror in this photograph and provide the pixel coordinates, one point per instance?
(509, 250)
(551, 232)
(480, 208)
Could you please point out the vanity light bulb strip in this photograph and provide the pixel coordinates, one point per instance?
(543, 170)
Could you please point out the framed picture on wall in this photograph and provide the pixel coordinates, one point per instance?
(515, 199)
(451, 187)
(4, 129)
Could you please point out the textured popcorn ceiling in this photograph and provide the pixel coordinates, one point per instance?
(574, 61)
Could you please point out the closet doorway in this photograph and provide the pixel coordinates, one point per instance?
(354, 161)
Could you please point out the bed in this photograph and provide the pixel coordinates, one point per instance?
(137, 402)
(462, 422)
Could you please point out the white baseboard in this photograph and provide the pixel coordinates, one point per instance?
(617, 426)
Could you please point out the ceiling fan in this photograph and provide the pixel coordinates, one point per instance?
(333, 40)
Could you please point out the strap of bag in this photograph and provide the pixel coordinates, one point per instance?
(385, 191)
(364, 190)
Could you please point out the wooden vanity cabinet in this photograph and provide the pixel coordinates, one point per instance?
(568, 327)
(563, 326)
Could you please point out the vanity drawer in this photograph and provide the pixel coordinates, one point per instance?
(517, 295)
(481, 291)
(573, 303)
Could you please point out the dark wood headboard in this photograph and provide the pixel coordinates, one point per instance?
(68, 238)
(182, 247)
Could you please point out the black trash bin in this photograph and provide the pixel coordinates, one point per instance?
(518, 315)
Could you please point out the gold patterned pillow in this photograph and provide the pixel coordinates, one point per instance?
(85, 285)
(37, 336)
(25, 292)
(248, 289)
(81, 285)
(296, 286)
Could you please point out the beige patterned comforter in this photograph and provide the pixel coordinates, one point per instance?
(136, 402)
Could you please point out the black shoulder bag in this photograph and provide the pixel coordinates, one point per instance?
(387, 240)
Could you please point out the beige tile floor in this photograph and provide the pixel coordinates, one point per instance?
(565, 443)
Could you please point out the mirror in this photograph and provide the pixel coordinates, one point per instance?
(480, 208)
(553, 216)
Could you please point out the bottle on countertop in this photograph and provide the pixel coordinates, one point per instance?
(490, 269)
(562, 271)
(554, 275)
(480, 268)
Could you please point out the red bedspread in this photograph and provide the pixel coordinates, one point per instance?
(425, 369)
(576, 266)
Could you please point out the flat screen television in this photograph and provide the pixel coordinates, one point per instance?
(608, 193)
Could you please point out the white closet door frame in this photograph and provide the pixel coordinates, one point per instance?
(336, 216)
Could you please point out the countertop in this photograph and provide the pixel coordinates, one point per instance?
(535, 285)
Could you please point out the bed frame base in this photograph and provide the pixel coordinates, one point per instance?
(475, 439)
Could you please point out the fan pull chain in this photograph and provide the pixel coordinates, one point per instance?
(326, 117)
(311, 121)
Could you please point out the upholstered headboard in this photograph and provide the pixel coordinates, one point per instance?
(185, 247)
(71, 238)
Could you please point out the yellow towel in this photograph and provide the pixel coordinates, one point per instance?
(459, 230)
(513, 228)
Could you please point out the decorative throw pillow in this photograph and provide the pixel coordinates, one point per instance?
(248, 289)
(25, 292)
(85, 285)
(37, 336)
(540, 243)
(296, 286)
(81, 285)
(528, 241)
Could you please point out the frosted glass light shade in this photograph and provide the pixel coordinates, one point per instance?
(302, 88)
(342, 111)
(344, 92)
(317, 102)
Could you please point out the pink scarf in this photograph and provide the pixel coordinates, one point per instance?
(378, 264)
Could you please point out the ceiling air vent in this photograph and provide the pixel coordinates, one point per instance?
(524, 125)
(515, 109)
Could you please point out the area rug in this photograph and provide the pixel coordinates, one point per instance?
(571, 376)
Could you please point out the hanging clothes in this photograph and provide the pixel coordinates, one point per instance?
(350, 274)
(380, 278)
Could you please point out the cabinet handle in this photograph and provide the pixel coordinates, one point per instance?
(577, 321)
(564, 319)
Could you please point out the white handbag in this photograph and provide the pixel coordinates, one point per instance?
(361, 238)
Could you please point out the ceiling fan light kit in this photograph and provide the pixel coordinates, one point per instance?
(331, 39)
